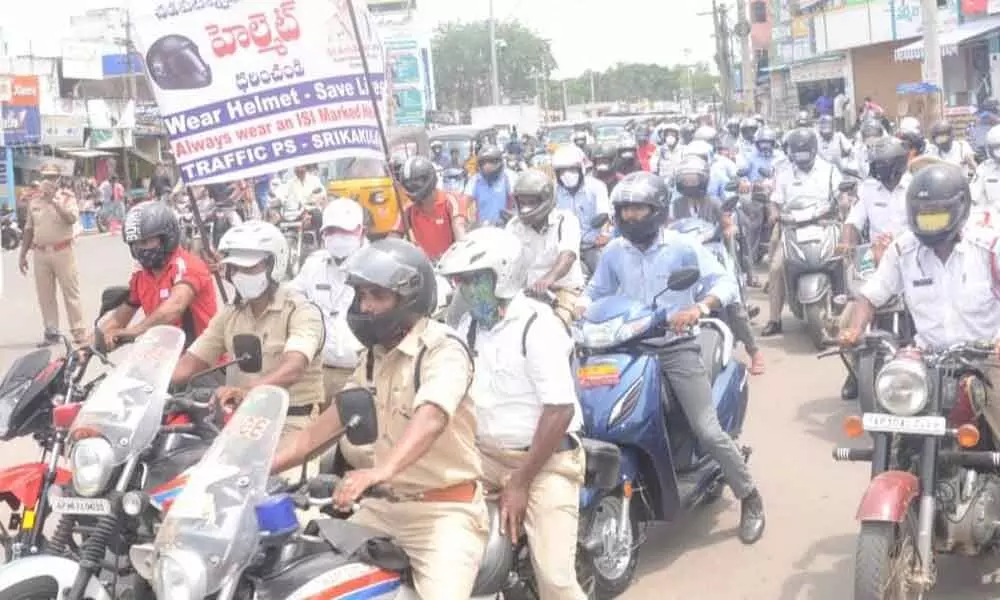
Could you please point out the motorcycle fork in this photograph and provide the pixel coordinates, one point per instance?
(924, 575)
(41, 509)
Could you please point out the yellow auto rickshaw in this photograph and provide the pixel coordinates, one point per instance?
(462, 142)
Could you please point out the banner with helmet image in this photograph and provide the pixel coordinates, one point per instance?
(255, 87)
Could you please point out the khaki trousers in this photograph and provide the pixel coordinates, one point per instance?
(552, 518)
(445, 541)
(565, 303)
(359, 457)
(776, 276)
(52, 267)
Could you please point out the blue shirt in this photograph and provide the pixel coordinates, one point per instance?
(588, 202)
(625, 270)
(721, 173)
(756, 161)
(491, 198)
(262, 186)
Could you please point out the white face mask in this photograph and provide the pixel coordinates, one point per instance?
(570, 179)
(341, 245)
(671, 140)
(250, 287)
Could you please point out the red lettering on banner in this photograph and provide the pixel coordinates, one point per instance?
(257, 32)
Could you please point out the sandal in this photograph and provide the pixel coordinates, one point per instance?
(757, 363)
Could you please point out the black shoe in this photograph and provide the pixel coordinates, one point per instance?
(849, 391)
(50, 339)
(753, 311)
(752, 519)
(772, 328)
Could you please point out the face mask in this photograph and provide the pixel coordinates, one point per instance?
(995, 152)
(152, 259)
(671, 140)
(341, 245)
(570, 179)
(479, 292)
(250, 287)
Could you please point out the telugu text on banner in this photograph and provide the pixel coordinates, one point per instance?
(253, 87)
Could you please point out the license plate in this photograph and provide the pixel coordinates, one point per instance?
(812, 233)
(598, 375)
(933, 426)
(80, 506)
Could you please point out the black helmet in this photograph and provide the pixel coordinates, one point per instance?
(402, 268)
(604, 157)
(175, 63)
(825, 126)
(579, 138)
(748, 129)
(912, 140)
(733, 126)
(803, 119)
(802, 145)
(691, 177)
(645, 189)
(942, 134)
(766, 140)
(686, 133)
(888, 162)
(490, 162)
(534, 197)
(419, 178)
(437, 146)
(150, 219)
(938, 202)
(871, 129)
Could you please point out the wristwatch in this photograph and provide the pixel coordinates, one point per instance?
(705, 310)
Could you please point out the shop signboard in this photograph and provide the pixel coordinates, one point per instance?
(907, 20)
(409, 94)
(20, 119)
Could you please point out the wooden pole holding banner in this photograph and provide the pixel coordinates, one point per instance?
(207, 247)
(397, 188)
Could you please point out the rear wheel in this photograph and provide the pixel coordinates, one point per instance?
(36, 588)
(884, 560)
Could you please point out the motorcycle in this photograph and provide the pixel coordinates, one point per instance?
(627, 402)
(934, 485)
(10, 233)
(230, 534)
(753, 208)
(294, 219)
(453, 180)
(122, 452)
(814, 272)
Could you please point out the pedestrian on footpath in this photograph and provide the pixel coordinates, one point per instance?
(48, 233)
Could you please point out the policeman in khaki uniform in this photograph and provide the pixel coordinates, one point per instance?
(323, 281)
(526, 404)
(290, 328)
(946, 272)
(49, 232)
(419, 372)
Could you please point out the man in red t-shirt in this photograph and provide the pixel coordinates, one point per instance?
(436, 218)
(172, 286)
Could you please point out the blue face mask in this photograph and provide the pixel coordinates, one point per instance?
(479, 292)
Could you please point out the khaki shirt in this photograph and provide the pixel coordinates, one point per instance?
(445, 377)
(49, 226)
(289, 324)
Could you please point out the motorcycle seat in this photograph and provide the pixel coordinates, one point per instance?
(603, 463)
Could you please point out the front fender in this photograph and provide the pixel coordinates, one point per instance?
(23, 483)
(811, 287)
(62, 570)
(888, 496)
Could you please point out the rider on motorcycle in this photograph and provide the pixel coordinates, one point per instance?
(426, 449)
(492, 186)
(527, 412)
(636, 265)
(834, 146)
(436, 218)
(692, 201)
(604, 158)
(439, 157)
(584, 196)
(881, 212)
(811, 176)
(748, 132)
(986, 185)
(719, 176)
(733, 127)
(686, 133)
(957, 152)
(551, 239)
(172, 286)
(645, 148)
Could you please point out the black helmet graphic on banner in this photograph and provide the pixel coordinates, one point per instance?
(174, 63)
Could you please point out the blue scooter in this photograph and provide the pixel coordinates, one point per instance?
(627, 402)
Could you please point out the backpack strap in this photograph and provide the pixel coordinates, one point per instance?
(470, 336)
(418, 364)
(524, 334)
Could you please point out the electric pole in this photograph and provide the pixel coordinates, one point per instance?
(133, 95)
(742, 31)
(593, 89)
(495, 71)
(720, 26)
(933, 70)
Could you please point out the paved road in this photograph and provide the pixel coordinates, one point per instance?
(794, 421)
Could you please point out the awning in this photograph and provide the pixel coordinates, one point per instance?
(951, 39)
(829, 66)
(83, 152)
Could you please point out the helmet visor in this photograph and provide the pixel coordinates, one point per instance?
(933, 221)
(372, 266)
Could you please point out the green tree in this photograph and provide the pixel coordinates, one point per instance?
(632, 82)
(462, 63)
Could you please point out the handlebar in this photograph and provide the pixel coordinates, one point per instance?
(318, 491)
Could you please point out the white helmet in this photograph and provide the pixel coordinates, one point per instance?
(246, 244)
(699, 148)
(343, 213)
(490, 248)
(569, 156)
(910, 125)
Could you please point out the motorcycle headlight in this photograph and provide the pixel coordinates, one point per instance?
(92, 462)
(901, 387)
(180, 575)
(612, 332)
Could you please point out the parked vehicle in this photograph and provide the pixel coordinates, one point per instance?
(627, 402)
(10, 233)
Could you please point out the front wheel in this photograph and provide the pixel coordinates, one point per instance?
(293, 256)
(36, 588)
(884, 560)
(816, 316)
(608, 571)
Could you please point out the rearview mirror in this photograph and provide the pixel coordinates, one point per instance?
(765, 172)
(600, 221)
(247, 349)
(112, 298)
(683, 278)
(357, 412)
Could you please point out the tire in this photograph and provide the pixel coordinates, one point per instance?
(816, 314)
(294, 262)
(882, 550)
(604, 580)
(36, 588)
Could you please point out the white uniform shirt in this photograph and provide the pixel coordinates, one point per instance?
(821, 182)
(324, 283)
(301, 191)
(833, 150)
(986, 185)
(883, 211)
(952, 302)
(959, 154)
(561, 235)
(510, 389)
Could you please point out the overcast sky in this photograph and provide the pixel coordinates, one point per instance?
(584, 33)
